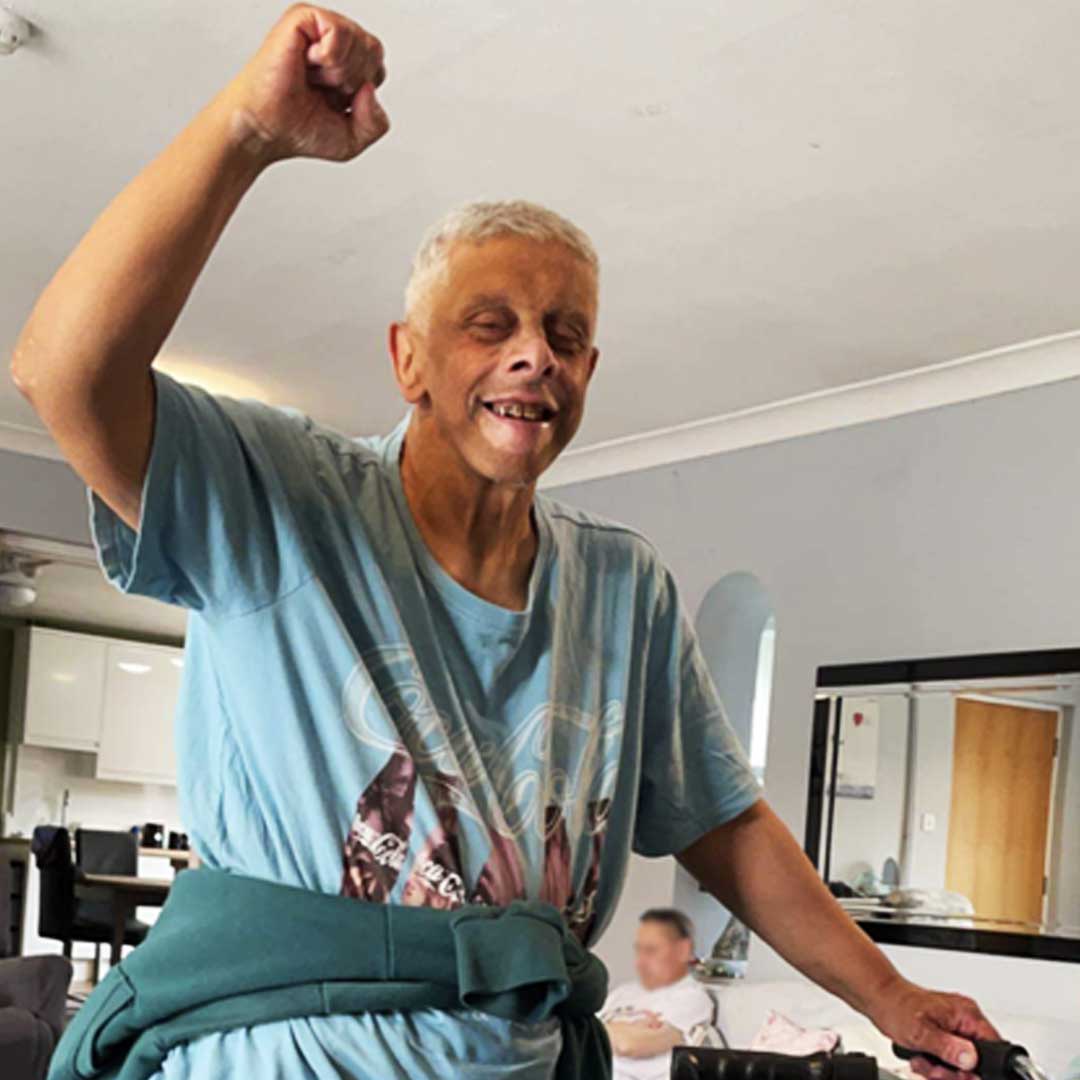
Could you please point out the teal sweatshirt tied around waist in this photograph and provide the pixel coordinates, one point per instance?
(231, 951)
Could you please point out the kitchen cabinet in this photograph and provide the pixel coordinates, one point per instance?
(108, 697)
(142, 683)
(57, 689)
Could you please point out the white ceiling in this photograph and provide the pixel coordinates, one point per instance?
(788, 195)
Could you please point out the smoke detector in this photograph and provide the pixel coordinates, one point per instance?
(15, 31)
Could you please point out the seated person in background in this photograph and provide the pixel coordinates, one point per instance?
(646, 1018)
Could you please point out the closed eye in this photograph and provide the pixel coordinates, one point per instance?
(489, 333)
(567, 345)
(489, 323)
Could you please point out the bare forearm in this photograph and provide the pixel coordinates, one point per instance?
(84, 356)
(111, 305)
(634, 1040)
(756, 869)
(754, 866)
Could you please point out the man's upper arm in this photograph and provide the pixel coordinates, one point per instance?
(695, 774)
(105, 435)
(222, 490)
(710, 859)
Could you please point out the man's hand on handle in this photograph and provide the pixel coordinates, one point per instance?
(938, 1023)
(310, 90)
(756, 869)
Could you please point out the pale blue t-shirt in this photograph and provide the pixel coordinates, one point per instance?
(352, 720)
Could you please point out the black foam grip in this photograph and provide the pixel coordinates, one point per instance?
(994, 1059)
(697, 1063)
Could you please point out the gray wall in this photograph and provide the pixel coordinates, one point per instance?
(928, 852)
(729, 625)
(866, 832)
(944, 532)
(43, 498)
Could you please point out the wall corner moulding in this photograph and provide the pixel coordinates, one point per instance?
(969, 378)
(19, 439)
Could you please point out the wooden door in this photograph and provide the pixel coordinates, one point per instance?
(1003, 767)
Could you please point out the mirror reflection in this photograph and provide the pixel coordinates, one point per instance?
(954, 804)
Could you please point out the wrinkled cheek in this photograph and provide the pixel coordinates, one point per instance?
(570, 426)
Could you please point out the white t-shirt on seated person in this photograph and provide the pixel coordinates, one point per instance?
(682, 1004)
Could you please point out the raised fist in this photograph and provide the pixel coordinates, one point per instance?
(310, 89)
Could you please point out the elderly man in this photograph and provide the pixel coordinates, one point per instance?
(414, 687)
(646, 1019)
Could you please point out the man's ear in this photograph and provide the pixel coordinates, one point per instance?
(407, 365)
(594, 358)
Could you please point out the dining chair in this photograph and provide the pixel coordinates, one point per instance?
(88, 917)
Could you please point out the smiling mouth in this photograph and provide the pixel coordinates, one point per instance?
(518, 410)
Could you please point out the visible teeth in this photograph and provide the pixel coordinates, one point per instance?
(518, 411)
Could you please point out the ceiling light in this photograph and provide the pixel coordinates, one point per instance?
(17, 587)
(14, 595)
(22, 556)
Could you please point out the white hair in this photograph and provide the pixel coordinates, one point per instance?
(480, 221)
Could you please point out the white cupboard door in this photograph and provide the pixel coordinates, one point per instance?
(65, 678)
(142, 683)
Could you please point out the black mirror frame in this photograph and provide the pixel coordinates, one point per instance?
(820, 806)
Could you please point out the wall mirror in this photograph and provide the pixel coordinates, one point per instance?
(944, 800)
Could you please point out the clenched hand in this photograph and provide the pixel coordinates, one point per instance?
(938, 1023)
(310, 89)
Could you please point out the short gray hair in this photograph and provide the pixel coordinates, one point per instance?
(479, 221)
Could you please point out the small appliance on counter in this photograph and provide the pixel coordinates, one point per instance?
(153, 835)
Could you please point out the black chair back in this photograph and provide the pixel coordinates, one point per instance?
(100, 852)
(51, 847)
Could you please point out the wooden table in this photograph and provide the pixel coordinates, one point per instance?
(127, 894)
(179, 860)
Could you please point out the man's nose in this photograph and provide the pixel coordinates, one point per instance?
(532, 355)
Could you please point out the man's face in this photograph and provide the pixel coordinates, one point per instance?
(660, 955)
(501, 353)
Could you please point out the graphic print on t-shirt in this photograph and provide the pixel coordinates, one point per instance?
(449, 820)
